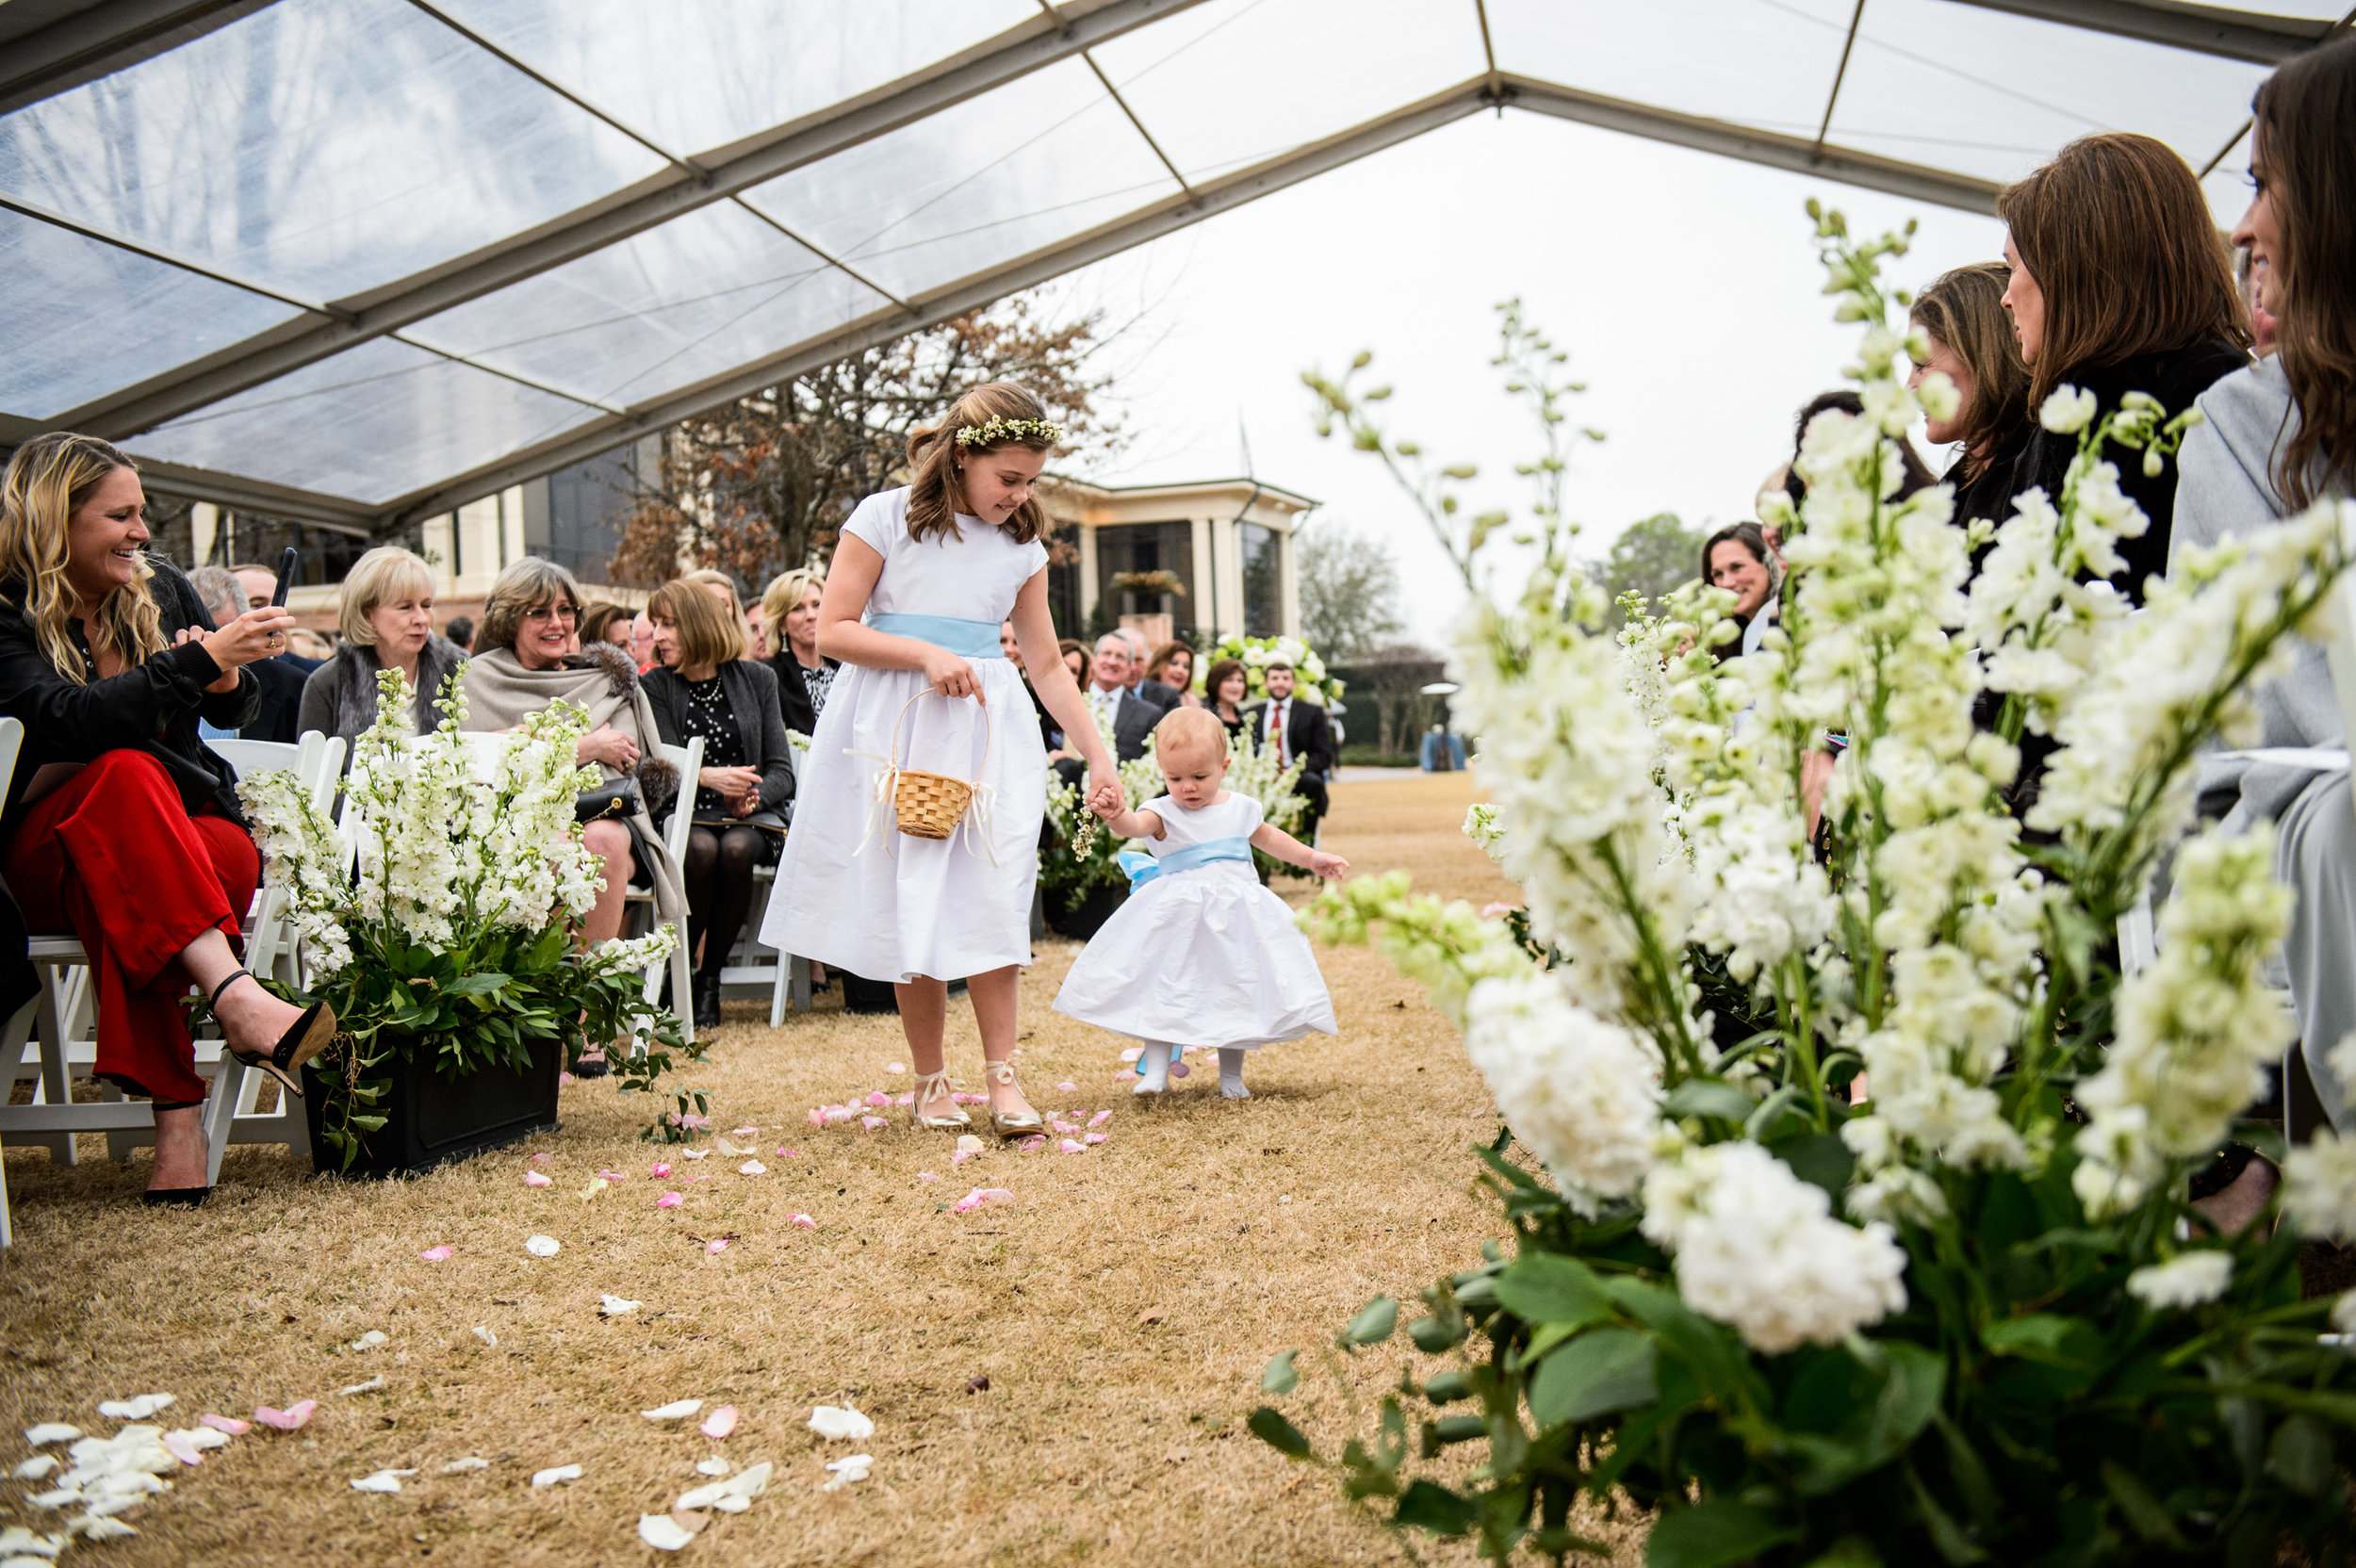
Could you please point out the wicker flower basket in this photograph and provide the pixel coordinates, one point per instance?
(929, 805)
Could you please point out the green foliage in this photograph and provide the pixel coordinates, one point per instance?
(1650, 556)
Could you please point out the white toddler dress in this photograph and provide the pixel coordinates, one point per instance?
(1205, 956)
(854, 892)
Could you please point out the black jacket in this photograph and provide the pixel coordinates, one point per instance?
(794, 702)
(751, 691)
(1141, 710)
(1989, 493)
(2176, 378)
(1308, 733)
(152, 708)
(278, 716)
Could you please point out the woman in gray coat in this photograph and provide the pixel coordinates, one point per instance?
(703, 685)
(385, 615)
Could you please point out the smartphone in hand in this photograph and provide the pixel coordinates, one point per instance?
(285, 577)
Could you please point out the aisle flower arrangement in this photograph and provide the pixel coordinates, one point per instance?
(445, 930)
(1972, 1317)
(1311, 683)
(1079, 864)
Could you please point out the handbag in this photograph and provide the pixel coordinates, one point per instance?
(617, 799)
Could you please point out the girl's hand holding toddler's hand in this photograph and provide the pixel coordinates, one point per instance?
(1327, 865)
(953, 676)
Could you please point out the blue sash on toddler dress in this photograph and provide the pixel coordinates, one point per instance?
(1143, 867)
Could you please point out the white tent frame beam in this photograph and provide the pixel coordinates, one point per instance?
(2259, 39)
(51, 46)
(1795, 154)
(1031, 46)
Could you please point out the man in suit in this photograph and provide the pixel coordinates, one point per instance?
(1299, 730)
(282, 676)
(1135, 705)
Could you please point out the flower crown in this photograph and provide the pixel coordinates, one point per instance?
(1010, 430)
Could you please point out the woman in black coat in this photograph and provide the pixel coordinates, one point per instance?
(2119, 283)
(703, 685)
(789, 607)
(120, 822)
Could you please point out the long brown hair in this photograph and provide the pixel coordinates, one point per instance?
(49, 480)
(708, 635)
(2117, 234)
(934, 492)
(1964, 309)
(2305, 135)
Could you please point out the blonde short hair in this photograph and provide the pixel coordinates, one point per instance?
(526, 585)
(717, 579)
(785, 591)
(385, 574)
(706, 634)
(1183, 726)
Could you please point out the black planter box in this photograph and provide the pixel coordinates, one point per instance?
(1084, 918)
(430, 1120)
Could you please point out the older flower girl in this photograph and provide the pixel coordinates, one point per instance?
(1202, 955)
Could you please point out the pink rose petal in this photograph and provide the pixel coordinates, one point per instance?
(1127, 1075)
(804, 1221)
(785, 1153)
(1071, 1147)
(565, 1079)
(878, 1099)
(1179, 1070)
(905, 1099)
(895, 1067)
(181, 1448)
(961, 1157)
(697, 1177)
(533, 1178)
(926, 1176)
(817, 1117)
(1062, 1126)
(229, 1423)
(719, 1423)
(669, 1201)
(1093, 1138)
(662, 1167)
(980, 1195)
(1100, 1119)
(719, 1244)
(1032, 1145)
(435, 1254)
(288, 1420)
(871, 1122)
(698, 1122)
(1133, 1053)
(543, 1157)
(1069, 1089)
(745, 1132)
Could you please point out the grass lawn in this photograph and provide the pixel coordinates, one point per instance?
(1121, 1307)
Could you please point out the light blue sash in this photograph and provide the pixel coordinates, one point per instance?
(1143, 867)
(966, 639)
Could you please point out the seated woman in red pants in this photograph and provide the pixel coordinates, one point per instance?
(120, 824)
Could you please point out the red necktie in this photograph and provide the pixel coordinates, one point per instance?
(1276, 722)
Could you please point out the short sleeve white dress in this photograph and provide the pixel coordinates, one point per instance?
(858, 894)
(1202, 956)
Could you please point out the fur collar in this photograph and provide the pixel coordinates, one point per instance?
(620, 671)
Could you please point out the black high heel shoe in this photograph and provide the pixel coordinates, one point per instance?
(308, 1036)
(175, 1198)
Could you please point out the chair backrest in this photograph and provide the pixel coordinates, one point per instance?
(688, 759)
(11, 746)
(246, 758)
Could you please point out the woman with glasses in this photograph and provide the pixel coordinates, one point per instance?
(527, 657)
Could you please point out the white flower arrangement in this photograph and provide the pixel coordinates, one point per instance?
(1720, 1235)
(442, 919)
(1256, 654)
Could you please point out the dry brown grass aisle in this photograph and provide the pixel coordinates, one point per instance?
(1121, 1307)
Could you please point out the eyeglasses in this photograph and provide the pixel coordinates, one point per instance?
(552, 613)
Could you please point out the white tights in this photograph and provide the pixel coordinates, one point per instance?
(1153, 1070)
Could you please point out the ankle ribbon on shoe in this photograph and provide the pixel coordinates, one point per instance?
(964, 638)
(1143, 867)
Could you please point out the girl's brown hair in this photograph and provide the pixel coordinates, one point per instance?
(934, 493)
(2305, 146)
(2117, 234)
(1964, 309)
(708, 635)
(48, 481)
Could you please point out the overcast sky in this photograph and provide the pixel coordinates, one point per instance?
(1685, 286)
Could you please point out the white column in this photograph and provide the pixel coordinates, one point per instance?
(203, 527)
(1205, 587)
(1288, 586)
(511, 525)
(1087, 569)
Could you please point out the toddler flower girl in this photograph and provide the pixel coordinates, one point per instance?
(1202, 955)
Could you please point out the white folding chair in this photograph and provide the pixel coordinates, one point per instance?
(689, 760)
(759, 964)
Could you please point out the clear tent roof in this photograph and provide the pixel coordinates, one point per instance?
(361, 261)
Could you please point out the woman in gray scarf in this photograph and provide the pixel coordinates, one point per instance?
(525, 658)
(385, 615)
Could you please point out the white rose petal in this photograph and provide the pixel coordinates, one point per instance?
(541, 1247)
(384, 1480)
(558, 1473)
(370, 1340)
(678, 1410)
(616, 1306)
(663, 1532)
(715, 1466)
(51, 1431)
(841, 1425)
(460, 1467)
(35, 1468)
(853, 1467)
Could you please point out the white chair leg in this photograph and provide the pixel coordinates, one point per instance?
(56, 1079)
(220, 1112)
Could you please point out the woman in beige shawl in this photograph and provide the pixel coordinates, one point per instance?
(525, 658)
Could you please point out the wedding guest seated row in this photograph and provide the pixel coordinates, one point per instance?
(525, 658)
(120, 824)
(703, 685)
(1738, 559)
(1225, 688)
(789, 606)
(1172, 668)
(1118, 691)
(386, 614)
(1970, 340)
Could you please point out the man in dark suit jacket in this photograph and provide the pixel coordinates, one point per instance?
(1135, 711)
(282, 676)
(1307, 736)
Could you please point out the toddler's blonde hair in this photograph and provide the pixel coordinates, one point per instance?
(1183, 728)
